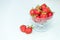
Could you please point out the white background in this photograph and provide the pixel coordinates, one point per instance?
(13, 13)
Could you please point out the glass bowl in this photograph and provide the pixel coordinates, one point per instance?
(41, 25)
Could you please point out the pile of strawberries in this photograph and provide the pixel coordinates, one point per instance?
(40, 13)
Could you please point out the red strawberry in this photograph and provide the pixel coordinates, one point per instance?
(43, 6)
(37, 19)
(43, 16)
(23, 28)
(49, 14)
(37, 12)
(28, 30)
(47, 9)
(34, 12)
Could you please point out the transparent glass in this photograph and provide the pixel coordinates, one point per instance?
(41, 25)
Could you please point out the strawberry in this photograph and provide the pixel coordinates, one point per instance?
(49, 14)
(37, 19)
(23, 28)
(43, 6)
(28, 30)
(43, 16)
(34, 12)
(37, 12)
(47, 9)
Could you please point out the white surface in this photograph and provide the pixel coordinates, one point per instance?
(13, 13)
